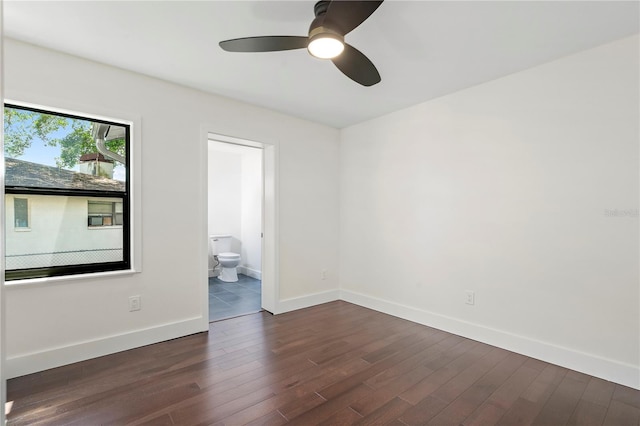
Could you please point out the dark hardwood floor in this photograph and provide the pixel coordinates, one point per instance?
(333, 364)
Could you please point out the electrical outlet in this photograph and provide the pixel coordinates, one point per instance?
(323, 274)
(134, 303)
(470, 297)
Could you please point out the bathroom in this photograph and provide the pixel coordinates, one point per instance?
(234, 229)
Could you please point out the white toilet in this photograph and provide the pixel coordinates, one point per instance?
(221, 248)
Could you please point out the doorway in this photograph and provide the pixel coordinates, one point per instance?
(234, 226)
(241, 201)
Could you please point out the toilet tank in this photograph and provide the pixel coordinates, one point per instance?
(220, 244)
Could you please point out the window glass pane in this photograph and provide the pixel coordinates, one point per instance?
(52, 151)
(74, 171)
(100, 207)
(21, 212)
(62, 237)
(95, 221)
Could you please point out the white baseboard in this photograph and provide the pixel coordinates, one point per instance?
(607, 369)
(253, 273)
(39, 361)
(301, 302)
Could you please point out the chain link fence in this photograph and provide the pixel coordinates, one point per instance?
(62, 258)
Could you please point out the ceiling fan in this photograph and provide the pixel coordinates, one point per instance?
(334, 19)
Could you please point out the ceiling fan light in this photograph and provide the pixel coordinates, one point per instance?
(325, 46)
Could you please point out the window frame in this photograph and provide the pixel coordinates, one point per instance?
(22, 228)
(126, 264)
(113, 214)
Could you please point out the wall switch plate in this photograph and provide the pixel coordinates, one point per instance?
(134, 303)
(323, 274)
(470, 297)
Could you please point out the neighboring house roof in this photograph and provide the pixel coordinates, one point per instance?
(32, 175)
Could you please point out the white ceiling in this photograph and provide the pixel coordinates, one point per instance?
(422, 49)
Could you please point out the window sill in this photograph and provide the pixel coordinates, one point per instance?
(102, 228)
(29, 282)
(22, 229)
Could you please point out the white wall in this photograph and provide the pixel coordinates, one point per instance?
(235, 200)
(225, 195)
(251, 212)
(508, 189)
(58, 322)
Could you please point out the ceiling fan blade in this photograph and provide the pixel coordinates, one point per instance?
(347, 15)
(264, 44)
(356, 66)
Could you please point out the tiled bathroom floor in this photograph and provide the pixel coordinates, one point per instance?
(228, 300)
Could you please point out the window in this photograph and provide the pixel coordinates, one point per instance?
(103, 213)
(21, 213)
(68, 175)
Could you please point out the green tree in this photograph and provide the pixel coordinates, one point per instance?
(22, 127)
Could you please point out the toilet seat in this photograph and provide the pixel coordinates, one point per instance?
(228, 256)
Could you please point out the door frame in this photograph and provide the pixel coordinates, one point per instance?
(269, 255)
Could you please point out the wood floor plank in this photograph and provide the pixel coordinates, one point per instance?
(562, 402)
(346, 416)
(626, 395)
(330, 407)
(321, 375)
(301, 405)
(386, 413)
(296, 399)
(587, 414)
(620, 413)
(487, 414)
(478, 392)
(211, 411)
(525, 409)
(442, 375)
(420, 359)
(380, 397)
(463, 381)
(423, 411)
(445, 387)
(495, 406)
(403, 352)
(331, 364)
(163, 420)
(599, 392)
(269, 405)
(513, 387)
(272, 419)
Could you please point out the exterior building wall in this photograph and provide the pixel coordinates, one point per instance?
(58, 233)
